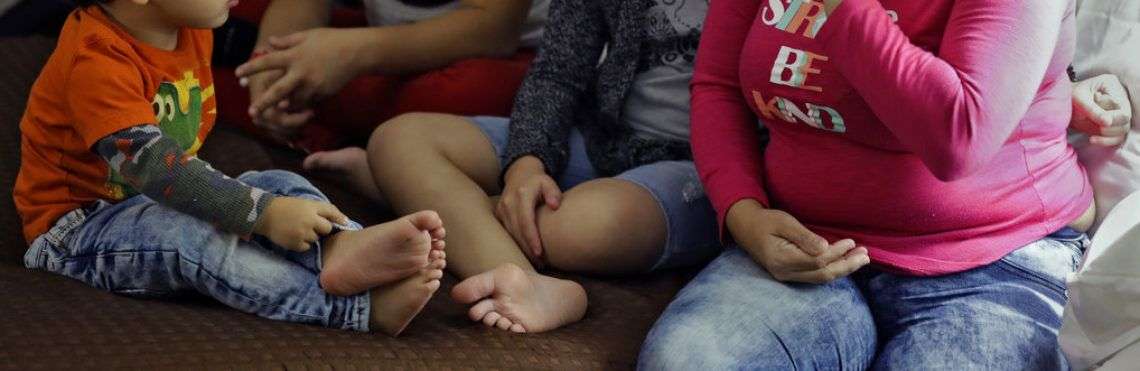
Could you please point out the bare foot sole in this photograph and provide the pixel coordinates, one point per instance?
(355, 261)
(395, 305)
(512, 299)
(350, 165)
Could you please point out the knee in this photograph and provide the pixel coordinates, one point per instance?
(962, 340)
(406, 130)
(688, 341)
(174, 232)
(589, 226)
(398, 140)
(669, 347)
(572, 228)
(600, 220)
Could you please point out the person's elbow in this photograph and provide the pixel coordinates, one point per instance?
(951, 170)
(496, 40)
(498, 26)
(492, 45)
(968, 144)
(954, 162)
(501, 46)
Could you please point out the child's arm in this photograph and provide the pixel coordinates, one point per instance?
(157, 166)
(556, 84)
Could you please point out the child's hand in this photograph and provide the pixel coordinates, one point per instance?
(527, 188)
(787, 250)
(295, 223)
(1102, 110)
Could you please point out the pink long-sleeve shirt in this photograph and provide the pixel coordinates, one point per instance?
(931, 132)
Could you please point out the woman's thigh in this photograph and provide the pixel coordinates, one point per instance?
(1005, 316)
(735, 316)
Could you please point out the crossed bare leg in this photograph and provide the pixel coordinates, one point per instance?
(394, 306)
(507, 297)
(350, 165)
(399, 263)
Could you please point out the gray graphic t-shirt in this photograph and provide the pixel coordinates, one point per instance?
(658, 104)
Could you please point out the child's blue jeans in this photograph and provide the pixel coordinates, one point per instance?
(140, 248)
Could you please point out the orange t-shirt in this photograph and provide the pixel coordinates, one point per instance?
(100, 80)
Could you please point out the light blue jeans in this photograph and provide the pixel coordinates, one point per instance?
(1003, 316)
(140, 248)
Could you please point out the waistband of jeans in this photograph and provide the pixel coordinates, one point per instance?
(1066, 233)
(64, 226)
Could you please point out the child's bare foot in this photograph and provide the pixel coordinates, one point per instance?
(351, 166)
(512, 299)
(355, 261)
(395, 305)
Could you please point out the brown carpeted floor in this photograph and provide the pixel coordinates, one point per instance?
(51, 322)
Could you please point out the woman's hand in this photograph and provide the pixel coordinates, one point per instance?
(788, 250)
(527, 188)
(314, 64)
(1102, 110)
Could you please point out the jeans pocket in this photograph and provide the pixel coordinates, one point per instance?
(1048, 261)
(54, 245)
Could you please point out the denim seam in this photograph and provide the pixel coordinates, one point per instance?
(56, 236)
(143, 290)
(243, 295)
(41, 258)
(121, 252)
(360, 312)
(667, 251)
(500, 152)
(1068, 240)
(1030, 274)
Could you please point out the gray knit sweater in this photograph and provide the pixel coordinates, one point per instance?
(567, 87)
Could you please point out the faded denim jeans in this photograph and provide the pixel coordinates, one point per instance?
(1003, 316)
(140, 248)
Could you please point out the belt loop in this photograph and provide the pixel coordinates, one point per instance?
(58, 234)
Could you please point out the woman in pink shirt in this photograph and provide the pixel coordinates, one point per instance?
(917, 206)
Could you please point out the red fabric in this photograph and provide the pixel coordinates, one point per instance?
(252, 10)
(469, 87)
(937, 141)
